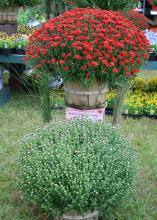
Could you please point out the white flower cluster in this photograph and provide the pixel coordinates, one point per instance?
(79, 165)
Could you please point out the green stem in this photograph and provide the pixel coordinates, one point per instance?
(122, 90)
(45, 100)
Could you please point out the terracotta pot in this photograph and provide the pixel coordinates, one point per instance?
(8, 15)
(87, 216)
(80, 97)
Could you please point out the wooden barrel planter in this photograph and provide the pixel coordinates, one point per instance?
(89, 216)
(8, 15)
(80, 97)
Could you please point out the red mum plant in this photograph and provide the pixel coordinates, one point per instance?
(138, 19)
(87, 45)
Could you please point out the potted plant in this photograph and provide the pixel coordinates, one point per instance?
(9, 9)
(8, 47)
(20, 45)
(73, 168)
(89, 48)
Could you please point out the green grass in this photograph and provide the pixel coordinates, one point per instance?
(22, 116)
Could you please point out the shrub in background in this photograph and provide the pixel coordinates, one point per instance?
(103, 4)
(139, 83)
(152, 84)
(30, 14)
(78, 165)
(148, 85)
(10, 3)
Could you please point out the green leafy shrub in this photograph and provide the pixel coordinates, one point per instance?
(77, 165)
(152, 84)
(30, 14)
(149, 85)
(8, 3)
(139, 84)
(136, 102)
(105, 4)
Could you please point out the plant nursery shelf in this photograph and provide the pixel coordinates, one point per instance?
(12, 58)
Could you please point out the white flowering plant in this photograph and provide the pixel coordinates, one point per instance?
(76, 166)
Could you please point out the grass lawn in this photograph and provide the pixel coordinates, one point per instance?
(22, 116)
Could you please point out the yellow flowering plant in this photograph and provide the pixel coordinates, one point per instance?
(136, 103)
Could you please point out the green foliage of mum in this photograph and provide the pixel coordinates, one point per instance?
(78, 165)
(19, 3)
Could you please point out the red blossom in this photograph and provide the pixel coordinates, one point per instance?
(128, 73)
(87, 75)
(66, 68)
(78, 57)
(136, 70)
(115, 70)
(84, 67)
(61, 62)
(53, 61)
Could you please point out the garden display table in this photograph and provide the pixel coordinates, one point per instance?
(12, 58)
(15, 64)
